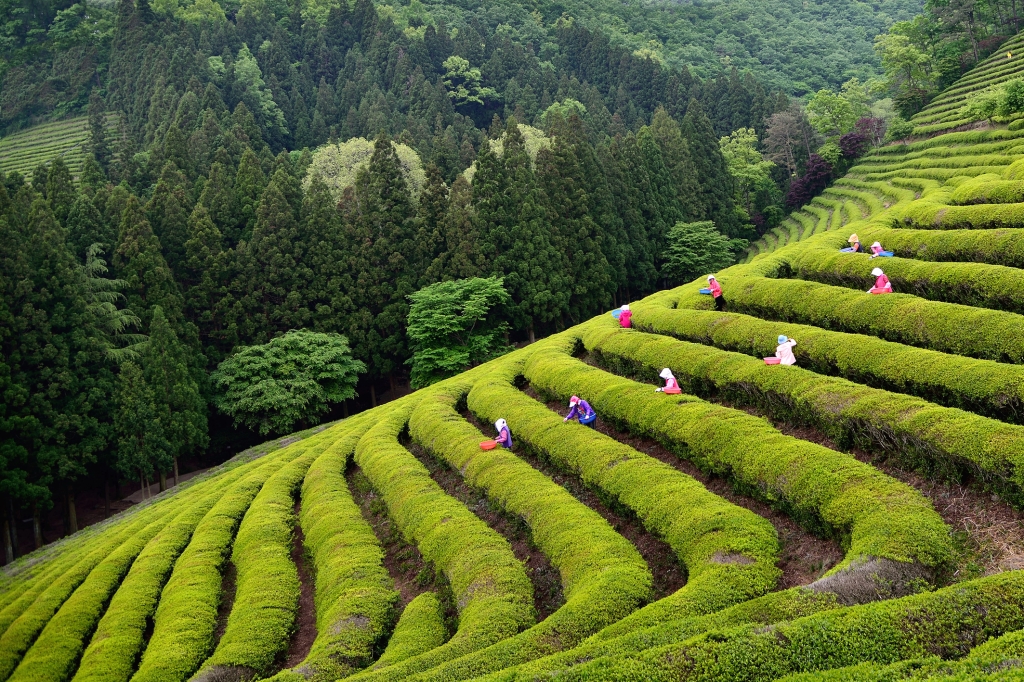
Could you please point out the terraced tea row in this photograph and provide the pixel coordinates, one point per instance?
(23, 151)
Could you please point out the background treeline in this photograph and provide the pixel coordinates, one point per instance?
(198, 228)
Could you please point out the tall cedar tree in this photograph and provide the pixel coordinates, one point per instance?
(98, 144)
(205, 273)
(716, 185)
(221, 202)
(86, 226)
(56, 358)
(60, 190)
(179, 405)
(248, 185)
(168, 212)
(142, 448)
(330, 257)
(515, 234)
(386, 255)
(675, 152)
(460, 256)
(560, 175)
(272, 269)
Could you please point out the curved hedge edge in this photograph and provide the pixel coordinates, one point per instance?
(603, 576)
(354, 595)
(420, 628)
(729, 552)
(186, 618)
(22, 633)
(55, 652)
(262, 616)
(902, 318)
(946, 623)
(979, 285)
(491, 589)
(42, 581)
(940, 439)
(888, 528)
(120, 635)
(771, 608)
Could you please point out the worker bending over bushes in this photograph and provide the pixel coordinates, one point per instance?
(671, 385)
(882, 283)
(504, 438)
(580, 409)
(784, 351)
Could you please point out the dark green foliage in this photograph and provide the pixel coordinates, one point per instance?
(454, 325)
(86, 226)
(142, 447)
(716, 185)
(293, 379)
(176, 397)
(60, 190)
(695, 249)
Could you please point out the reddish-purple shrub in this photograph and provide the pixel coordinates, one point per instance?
(812, 183)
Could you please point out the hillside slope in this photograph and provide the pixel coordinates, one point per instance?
(856, 516)
(23, 151)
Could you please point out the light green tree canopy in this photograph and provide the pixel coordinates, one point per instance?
(696, 249)
(831, 113)
(453, 325)
(534, 139)
(290, 380)
(464, 83)
(338, 165)
(248, 71)
(750, 170)
(564, 109)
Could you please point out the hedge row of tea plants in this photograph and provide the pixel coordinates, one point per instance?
(354, 595)
(186, 619)
(831, 492)
(729, 552)
(490, 586)
(942, 441)
(420, 629)
(604, 577)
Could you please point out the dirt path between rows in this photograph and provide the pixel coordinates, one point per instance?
(305, 620)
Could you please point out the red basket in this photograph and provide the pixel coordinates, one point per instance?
(772, 361)
(673, 391)
(488, 445)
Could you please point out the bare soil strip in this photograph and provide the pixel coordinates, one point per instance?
(305, 621)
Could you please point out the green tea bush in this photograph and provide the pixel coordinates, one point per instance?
(944, 441)
(604, 577)
(875, 516)
(185, 620)
(354, 595)
(23, 632)
(729, 552)
(491, 590)
(946, 623)
(267, 581)
(945, 327)
(119, 638)
(419, 629)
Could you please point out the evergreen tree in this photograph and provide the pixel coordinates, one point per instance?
(221, 203)
(460, 256)
(168, 212)
(330, 255)
(142, 447)
(716, 186)
(86, 226)
(560, 176)
(675, 152)
(176, 397)
(666, 203)
(204, 276)
(97, 130)
(385, 232)
(60, 190)
(249, 185)
(139, 262)
(433, 204)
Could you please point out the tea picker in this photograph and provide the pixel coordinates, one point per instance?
(878, 252)
(854, 246)
(783, 352)
(882, 283)
(504, 438)
(671, 385)
(715, 289)
(580, 409)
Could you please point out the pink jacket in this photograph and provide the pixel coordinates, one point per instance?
(671, 383)
(716, 288)
(877, 250)
(625, 318)
(882, 286)
(784, 352)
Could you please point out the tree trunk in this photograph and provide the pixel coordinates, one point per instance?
(117, 487)
(37, 525)
(344, 409)
(8, 544)
(106, 498)
(391, 384)
(72, 514)
(373, 396)
(142, 485)
(163, 480)
(14, 523)
(175, 471)
(533, 337)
